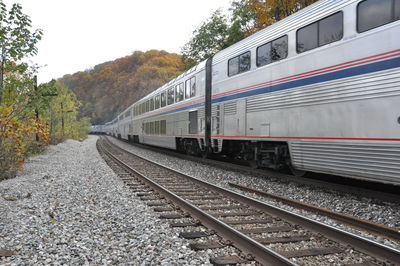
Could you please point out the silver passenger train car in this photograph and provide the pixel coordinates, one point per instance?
(318, 91)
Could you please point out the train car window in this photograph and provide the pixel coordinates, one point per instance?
(279, 49)
(244, 62)
(163, 99)
(163, 127)
(322, 32)
(187, 89)
(170, 96)
(330, 29)
(264, 54)
(157, 101)
(193, 87)
(157, 128)
(233, 66)
(151, 104)
(239, 64)
(307, 38)
(152, 128)
(272, 51)
(179, 92)
(375, 13)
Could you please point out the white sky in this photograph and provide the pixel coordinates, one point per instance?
(79, 34)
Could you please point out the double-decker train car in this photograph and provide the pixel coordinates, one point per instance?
(318, 91)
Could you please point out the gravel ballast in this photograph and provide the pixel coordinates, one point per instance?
(386, 213)
(68, 207)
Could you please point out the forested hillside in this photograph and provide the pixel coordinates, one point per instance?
(110, 87)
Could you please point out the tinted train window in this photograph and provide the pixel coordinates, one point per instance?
(163, 99)
(151, 104)
(179, 92)
(264, 54)
(244, 62)
(239, 64)
(375, 13)
(193, 87)
(319, 33)
(157, 101)
(190, 87)
(272, 51)
(233, 66)
(157, 127)
(170, 96)
(151, 127)
(187, 89)
(330, 29)
(163, 127)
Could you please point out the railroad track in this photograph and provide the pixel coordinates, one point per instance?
(267, 234)
(339, 184)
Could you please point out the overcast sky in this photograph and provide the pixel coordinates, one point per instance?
(79, 34)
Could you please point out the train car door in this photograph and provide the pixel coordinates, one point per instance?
(141, 132)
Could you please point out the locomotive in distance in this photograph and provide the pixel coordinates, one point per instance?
(318, 91)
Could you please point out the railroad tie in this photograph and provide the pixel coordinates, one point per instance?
(184, 224)
(227, 260)
(310, 252)
(253, 221)
(193, 235)
(284, 239)
(173, 216)
(261, 230)
(207, 245)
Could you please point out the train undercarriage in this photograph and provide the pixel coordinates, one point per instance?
(257, 154)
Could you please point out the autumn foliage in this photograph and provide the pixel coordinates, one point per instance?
(30, 115)
(17, 138)
(110, 87)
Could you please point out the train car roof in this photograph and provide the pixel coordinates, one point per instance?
(297, 20)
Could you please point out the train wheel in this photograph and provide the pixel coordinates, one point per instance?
(192, 148)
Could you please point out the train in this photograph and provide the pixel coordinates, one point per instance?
(318, 91)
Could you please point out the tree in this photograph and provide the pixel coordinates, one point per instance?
(268, 12)
(208, 39)
(246, 18)
(60, 113)
(16, 41)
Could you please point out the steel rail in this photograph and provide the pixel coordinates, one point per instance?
(261, 253)
(357, 242)
(342, 188)
(350, 220)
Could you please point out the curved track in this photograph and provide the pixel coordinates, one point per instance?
(256, 228)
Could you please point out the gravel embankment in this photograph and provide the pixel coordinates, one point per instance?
(385, 213)
(68, 207)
